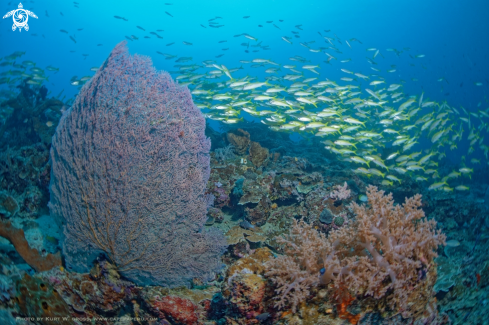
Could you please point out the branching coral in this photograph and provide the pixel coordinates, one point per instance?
(384, 253)
(223, 154)
(386, 247)
(341, 192)
(296, 271)
(30, 255)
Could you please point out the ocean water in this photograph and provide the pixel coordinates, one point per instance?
(385, 93)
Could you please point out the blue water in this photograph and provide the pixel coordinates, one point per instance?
(452, 35)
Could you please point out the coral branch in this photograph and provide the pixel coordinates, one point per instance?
(30, 255)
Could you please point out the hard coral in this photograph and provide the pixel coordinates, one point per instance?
(258, 154)
(247, 293)
(255, 262)
(240, 141)
(238, 234)
(259, 214)
(180, 310)
(244, 287)
(8, 205)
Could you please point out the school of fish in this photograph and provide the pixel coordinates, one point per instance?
(363, 120)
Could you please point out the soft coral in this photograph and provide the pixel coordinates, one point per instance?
(377, 255)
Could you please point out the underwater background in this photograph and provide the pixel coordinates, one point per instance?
(302, 162)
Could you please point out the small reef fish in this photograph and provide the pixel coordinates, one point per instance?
(453, 243)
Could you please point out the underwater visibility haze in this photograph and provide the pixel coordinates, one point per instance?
(244, 162)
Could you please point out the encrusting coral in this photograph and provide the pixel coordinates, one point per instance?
(386, 253)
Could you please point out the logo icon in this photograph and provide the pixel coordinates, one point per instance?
(20, 17)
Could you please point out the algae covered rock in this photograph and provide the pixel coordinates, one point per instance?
(37, 298)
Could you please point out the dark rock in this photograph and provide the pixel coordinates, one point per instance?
(245, 224)
(326, 216)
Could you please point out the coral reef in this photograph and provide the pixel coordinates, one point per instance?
(100, 294)
(245, 287)
(8, 205)
(142, 203)
(259, 194)
(247, 293)
(31, 111)
(180, 305)
(24, 176)
(463, 270)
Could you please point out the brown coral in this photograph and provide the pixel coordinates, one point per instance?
(259, 214)
(30, 255)
(258, 154)
(254, 262)
(247, 293)
(240, 141)
(238, 234)
(245, 287)
(8, 205)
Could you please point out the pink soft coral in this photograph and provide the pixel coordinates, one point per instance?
(398, 242)
(379, 254)
(341, 192)
(296, 271)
